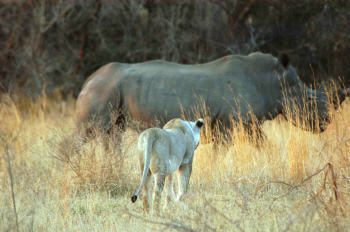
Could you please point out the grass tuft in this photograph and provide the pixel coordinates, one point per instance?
(294, 180)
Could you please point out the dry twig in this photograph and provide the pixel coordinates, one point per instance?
(11, 180)
(328, 168)
(175, 225)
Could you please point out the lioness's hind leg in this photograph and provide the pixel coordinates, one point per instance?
(169, 190)
(158, 188)
(146, 193)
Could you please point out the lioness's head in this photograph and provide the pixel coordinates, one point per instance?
(193, 128)
(196, 128)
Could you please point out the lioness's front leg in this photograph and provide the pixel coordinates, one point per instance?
(184, 175)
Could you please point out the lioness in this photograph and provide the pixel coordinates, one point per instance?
(162, 152)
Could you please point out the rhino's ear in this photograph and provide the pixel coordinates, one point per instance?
(284, 59)
(199, 123)
(321, 88)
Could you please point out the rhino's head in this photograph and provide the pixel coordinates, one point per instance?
(305, 107)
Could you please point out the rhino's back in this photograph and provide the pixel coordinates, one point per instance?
(165, 90)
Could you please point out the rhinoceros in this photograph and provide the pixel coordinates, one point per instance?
(253, 87)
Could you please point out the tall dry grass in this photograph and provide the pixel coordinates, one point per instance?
(295, 180)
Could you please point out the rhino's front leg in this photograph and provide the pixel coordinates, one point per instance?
(256, 135)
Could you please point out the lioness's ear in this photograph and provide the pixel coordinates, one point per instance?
(199, 123)
(284, 59)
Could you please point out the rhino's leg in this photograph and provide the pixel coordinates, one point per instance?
(118, 122)
(113, 136)
(256, 135)
(213, 135)
(169, 190)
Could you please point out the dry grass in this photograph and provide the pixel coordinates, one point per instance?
(233, 188)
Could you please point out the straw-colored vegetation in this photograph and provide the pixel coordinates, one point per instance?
(295, 180)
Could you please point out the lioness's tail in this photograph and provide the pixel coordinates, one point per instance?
(147, 145)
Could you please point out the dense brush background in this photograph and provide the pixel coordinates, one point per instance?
(295, 180)
(57, 44)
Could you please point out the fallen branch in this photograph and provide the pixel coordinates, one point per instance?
(12, 190)
(166, 224)
(328, 167)
(223, 215)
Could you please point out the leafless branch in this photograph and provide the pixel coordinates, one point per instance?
(53, 22)
(327, 168)
(85, 35)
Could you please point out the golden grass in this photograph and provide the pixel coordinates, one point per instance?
(59, 188)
